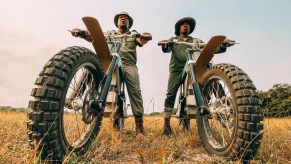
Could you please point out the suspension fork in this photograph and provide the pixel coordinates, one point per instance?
(120, 87)
(101, 102)
(196, 87)
(121, 94)
(182, 101)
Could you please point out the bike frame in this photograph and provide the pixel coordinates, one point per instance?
(189, 72)
(114, 71)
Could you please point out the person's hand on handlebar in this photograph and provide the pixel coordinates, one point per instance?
(82, 34)
(228, 43)
(165, 43)
(76, 32)
(144, 38)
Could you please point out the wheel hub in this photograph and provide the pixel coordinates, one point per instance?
(77, 104)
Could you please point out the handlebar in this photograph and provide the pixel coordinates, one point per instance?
(196, 45)
(109, 35)
(79, 33)
(145, 36)
(114, 35)
(193, 45)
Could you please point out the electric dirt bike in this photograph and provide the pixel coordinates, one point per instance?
(73, 95)
(222, 99)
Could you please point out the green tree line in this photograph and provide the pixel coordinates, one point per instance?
(276, 102)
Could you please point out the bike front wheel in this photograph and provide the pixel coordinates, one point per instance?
(233, 128)
(61, 121)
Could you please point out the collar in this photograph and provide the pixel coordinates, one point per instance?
(189, 38)
(128, 32)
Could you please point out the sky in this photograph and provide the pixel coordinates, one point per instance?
(32, 31)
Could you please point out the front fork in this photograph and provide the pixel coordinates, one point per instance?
(100, 103)
(181, 112)
(120, 95)
(202, 108)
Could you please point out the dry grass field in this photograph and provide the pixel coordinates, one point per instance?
(124, 147)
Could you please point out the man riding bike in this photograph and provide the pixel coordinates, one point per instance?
(183, 28)
(129, 58)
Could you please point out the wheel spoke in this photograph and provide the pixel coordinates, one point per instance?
(79, 93)
(219, 127)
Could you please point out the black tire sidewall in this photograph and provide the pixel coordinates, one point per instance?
(91, 58)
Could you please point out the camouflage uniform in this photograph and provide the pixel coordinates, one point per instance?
(129, 59)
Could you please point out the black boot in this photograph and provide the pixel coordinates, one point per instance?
(167, 126)
(139, 125)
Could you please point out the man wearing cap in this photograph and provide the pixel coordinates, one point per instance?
(129, 58)
(183, 28)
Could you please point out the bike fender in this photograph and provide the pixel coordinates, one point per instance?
(206, 55)
(99, 41)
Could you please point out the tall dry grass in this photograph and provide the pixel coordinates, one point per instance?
(13, 138)
(276, 143)
(116, 147)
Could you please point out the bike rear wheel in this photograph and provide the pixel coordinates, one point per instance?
(233, 129)
(61, 121)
